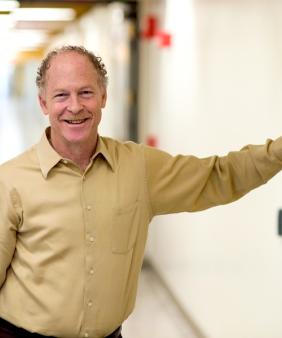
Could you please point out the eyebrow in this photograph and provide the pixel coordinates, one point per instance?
(79, 89)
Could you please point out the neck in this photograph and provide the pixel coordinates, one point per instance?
(78, 153)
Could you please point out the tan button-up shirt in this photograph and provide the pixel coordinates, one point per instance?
(72, 242)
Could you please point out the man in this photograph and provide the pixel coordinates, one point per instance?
(75, 208)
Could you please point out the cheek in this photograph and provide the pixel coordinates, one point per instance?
(97, 116)
(93, 107)
(56, 110)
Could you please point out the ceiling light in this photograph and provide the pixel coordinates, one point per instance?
(28, 38)
(43, 14)
(5, 22)
(21, 40)
(8, 5)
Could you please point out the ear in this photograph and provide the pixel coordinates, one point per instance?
(43, 105)
(104, 98)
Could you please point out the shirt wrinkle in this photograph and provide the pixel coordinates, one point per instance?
(146, 181)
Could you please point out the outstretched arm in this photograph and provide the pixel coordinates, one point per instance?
(187, 183)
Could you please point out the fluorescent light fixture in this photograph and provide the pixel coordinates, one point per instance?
(8, 5)
(21, 40)
(43, 14)
(28, 38)
(5, 22)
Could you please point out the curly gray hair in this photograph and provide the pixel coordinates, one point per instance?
(95, 60)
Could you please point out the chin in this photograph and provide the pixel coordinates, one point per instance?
(73, 138)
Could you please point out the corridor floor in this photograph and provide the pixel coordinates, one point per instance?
(156, 315)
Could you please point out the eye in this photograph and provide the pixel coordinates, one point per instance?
(86, 93)
(60, 96)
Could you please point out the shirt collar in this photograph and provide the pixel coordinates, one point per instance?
(49, 158)
(103, 150)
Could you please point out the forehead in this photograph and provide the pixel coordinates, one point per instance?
(70, 66)
(70, 61)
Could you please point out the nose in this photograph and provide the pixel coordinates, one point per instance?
(74, 105)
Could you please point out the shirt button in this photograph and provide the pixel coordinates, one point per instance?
(65, 161)
(86, 334)
(89, 303)
(91, 239)
(91, 271)
(88, 207)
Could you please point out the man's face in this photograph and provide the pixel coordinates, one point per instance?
(73, 98)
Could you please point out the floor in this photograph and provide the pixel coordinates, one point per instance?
(156, 314)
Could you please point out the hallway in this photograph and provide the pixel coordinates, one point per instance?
(156, 314)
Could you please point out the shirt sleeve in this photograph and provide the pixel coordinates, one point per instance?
(9, 221)
(187, 183)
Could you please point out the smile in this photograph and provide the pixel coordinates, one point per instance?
(75, 121)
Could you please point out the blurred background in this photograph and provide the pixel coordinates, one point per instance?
(188, 76)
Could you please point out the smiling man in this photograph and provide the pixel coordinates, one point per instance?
(75, 208)
(72, 94)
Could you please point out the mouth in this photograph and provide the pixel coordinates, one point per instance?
(76, 122)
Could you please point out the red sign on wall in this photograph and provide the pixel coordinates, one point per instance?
(152, 31)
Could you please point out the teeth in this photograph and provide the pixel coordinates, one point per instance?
(75, 121)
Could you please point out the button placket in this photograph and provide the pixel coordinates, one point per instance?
(90, 238)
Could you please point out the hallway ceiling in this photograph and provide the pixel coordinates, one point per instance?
(28, 31)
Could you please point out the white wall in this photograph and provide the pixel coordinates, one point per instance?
(10, 131)
(216, 89)
(21, 122)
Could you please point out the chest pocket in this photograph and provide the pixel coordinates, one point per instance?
(125, 228)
